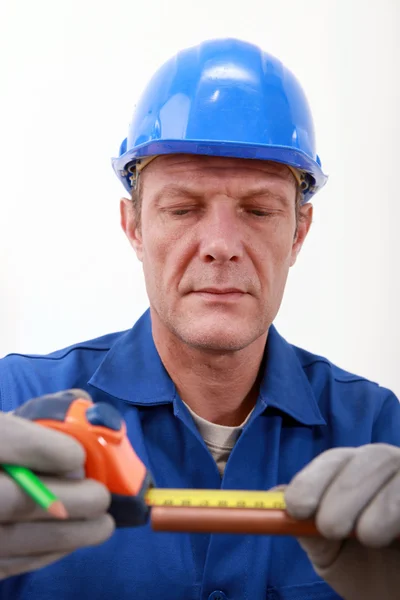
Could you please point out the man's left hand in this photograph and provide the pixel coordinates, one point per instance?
(352, 490)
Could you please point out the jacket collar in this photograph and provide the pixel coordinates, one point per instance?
(132, 371)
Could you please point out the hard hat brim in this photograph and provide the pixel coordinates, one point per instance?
(290, 156)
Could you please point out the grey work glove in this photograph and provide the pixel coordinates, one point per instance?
(352, 489)
(29, 537)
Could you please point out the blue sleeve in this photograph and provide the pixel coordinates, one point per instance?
(10, 386)
(7, 378)
(2, 386)
(387, 424)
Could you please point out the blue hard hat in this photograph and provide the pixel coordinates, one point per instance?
(224, 98)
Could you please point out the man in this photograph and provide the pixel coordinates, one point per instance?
(220, 165)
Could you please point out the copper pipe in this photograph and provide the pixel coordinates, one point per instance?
(230, 520)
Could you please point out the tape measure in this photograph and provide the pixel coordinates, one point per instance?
(214, 498)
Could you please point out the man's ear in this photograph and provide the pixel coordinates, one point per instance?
(303, 227)
(129, 224)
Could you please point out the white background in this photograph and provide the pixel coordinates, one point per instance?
(70, 75)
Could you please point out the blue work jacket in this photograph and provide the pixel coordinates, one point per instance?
(305, 406)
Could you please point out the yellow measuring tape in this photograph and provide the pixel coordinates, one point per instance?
(214, 498)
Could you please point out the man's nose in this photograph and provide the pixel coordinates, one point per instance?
(221, 236)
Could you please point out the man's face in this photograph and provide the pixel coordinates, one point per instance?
(216, 239)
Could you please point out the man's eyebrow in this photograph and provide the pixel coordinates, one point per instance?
(174, 190)
(265, 191)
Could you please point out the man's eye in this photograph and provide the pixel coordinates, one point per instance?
(260, 213)
(181, 211)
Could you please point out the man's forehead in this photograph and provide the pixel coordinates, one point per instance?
(183, 165)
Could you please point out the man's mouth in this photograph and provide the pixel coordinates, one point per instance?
(212, 294)
(213, 290)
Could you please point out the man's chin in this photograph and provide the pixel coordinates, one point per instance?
(218, 337)
(216, 345)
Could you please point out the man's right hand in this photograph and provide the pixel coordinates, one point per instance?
(29, 537)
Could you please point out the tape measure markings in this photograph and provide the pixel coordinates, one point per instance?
(215, 498)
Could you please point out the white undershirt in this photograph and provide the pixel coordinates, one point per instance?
(219, 439)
